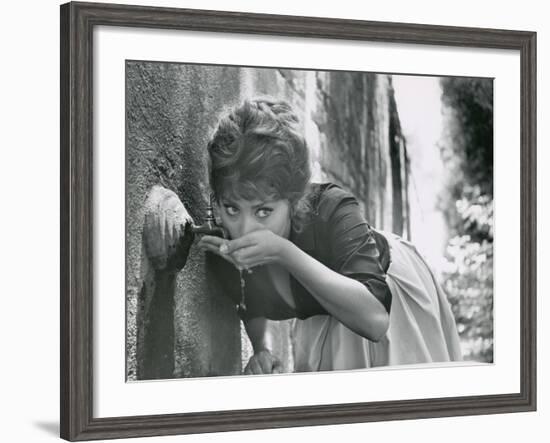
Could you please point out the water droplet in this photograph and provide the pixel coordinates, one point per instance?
(242, 304)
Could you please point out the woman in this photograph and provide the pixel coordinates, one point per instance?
(362, 297)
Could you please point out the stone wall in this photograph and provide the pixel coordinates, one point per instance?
(183, 325)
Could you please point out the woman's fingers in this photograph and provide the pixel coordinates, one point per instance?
(244, 254)
(242, 242)
(212, 246)
(263, 363)
(266, 362)
(254, 366)
(277, 367)
(253, 259)
(250, 255)
(211, 240)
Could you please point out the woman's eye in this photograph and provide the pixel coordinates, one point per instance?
(264, 212)
(231, 210)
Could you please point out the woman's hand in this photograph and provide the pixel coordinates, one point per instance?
(263, 362)
(215, 245)
(257, 248)
(254, 249)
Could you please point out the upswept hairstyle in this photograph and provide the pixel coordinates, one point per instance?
(256, 151)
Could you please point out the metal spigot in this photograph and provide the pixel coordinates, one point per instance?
(209, 227)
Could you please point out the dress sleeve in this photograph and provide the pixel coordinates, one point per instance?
(353, 248)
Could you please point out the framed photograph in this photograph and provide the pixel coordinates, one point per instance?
(262, 213)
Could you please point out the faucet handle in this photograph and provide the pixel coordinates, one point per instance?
(210, 226)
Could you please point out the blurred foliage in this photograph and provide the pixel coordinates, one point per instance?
(467, 203)
(468, 276)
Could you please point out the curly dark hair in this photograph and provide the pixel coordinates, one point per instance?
(258, 150)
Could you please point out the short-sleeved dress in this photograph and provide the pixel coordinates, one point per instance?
(421, 328)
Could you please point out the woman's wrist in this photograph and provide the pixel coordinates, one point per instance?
(285, 252)
(262, 349)
(262, 345)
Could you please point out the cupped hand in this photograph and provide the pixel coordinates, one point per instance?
(263, 362)
(256, 248)
(216, 245)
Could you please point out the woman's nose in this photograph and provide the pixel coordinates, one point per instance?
(248, 225)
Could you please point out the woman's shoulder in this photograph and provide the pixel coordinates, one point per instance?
(328, 197)
(340, 209)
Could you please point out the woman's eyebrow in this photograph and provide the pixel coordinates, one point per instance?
(259, 205)
(229, 201)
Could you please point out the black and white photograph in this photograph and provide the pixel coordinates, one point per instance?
(241, 221)
(282, 220)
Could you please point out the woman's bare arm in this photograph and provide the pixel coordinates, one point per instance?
(345, 298)
(263, 361)
(256, 329)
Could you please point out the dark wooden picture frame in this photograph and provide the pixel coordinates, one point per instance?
(77, 23)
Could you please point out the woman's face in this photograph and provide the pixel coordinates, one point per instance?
(240, 217)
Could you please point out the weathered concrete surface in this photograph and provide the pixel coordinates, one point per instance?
(168, 125)
(353, 132)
